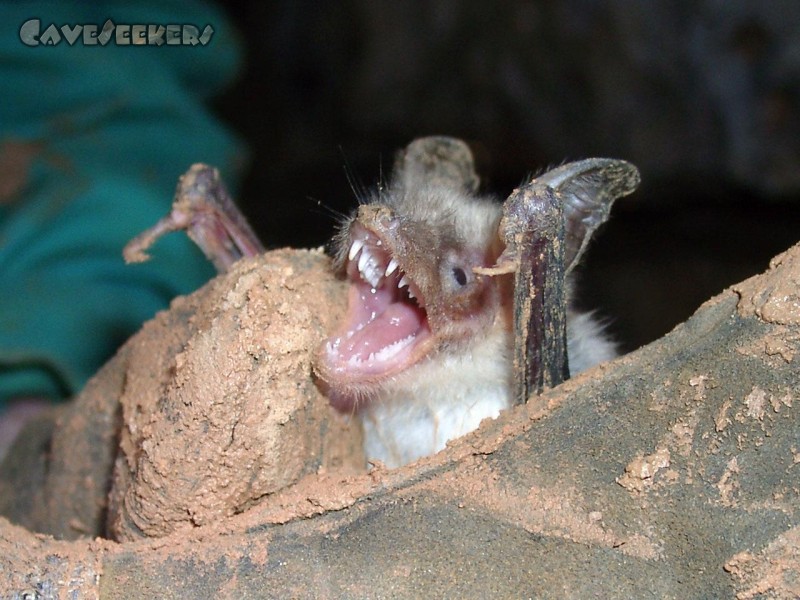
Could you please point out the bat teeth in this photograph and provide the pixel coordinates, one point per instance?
(392, 349)
(403, 281)
(363, 260)
(354, 249)
(368, 267)
(372, 276)
(371, 267)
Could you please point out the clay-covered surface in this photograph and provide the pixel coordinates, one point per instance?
(223, 411)
(36, 566)
(210, 407)
(56, 477)
(669, 473)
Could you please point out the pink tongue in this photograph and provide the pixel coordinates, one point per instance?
(398, 321)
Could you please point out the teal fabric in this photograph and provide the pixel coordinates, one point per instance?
(111, 130)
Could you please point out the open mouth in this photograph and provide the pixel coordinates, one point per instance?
(386, 327)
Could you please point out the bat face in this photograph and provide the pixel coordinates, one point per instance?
(408, 256)
(458, 306)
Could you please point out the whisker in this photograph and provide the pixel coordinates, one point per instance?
(328, 210)
(381, 180)
(357, 186)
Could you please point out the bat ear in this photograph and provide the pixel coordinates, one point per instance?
(586, 190)
(437, 160)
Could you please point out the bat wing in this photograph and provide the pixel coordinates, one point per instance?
(203, 207)
(546, 227)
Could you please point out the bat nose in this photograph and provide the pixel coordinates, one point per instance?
(377, 216)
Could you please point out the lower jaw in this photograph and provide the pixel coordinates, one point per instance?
(349, 398)
(344, 402)
(348, 394)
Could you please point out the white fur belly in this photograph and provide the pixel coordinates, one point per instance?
(397, 433)
(449, 395)
(438, 400)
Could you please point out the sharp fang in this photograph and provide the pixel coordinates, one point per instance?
(363, 260)
(372, 278)
(354, 249)
(391, 267)
(403, 281)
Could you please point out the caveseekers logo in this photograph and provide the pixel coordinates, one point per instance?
(31, 34)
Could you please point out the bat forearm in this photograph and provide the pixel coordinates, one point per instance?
(540, 321)
(203, 208)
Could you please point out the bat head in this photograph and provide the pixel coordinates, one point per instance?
(408, 256)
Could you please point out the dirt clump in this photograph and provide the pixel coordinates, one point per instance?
(219, 409)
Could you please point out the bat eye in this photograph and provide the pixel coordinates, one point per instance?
(455, 273)
(460, 276)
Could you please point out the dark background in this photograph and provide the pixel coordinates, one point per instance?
(703, 96)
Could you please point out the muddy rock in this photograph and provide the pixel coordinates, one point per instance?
(668, 473)
(208, 409)
(219, 408)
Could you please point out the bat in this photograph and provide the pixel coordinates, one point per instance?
(458, 305)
